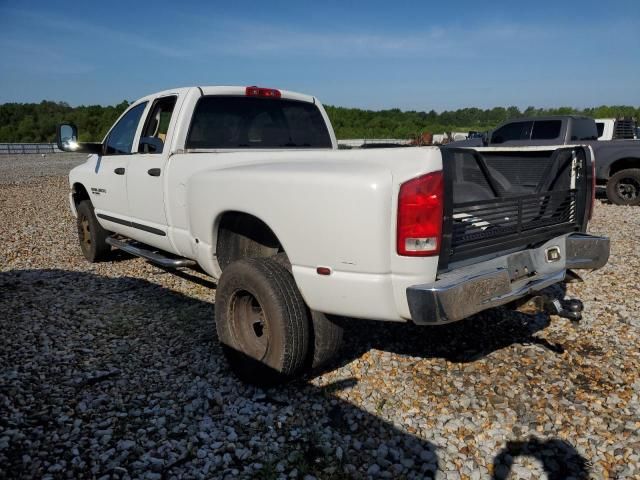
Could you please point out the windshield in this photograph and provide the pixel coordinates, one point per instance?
(250, 122)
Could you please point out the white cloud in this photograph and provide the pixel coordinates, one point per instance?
(248, 39)
(41, 59)
(198, 36)
(91, 31)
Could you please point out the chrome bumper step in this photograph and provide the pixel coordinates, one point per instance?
(461, 293)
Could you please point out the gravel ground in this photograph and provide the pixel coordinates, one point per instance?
(21, 168)
(112, 370)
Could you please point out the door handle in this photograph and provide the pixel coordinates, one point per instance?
(119, 171)
(154, 172)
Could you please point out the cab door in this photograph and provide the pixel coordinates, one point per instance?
(146, 177)
(108, 185)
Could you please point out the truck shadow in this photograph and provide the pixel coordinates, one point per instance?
(601, 194)
(461, 342)
(84, 354)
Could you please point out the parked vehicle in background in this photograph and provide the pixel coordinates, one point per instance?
(617, 129)
(247, 184)
(617, 161)
(605, 128)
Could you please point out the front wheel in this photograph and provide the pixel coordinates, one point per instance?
(91, 235)
(623, 188)
(262, 321)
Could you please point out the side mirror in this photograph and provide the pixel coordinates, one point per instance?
(67, 140)
(67, 137)
(150, 145)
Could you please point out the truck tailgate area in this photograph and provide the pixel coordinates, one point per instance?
(500, 201)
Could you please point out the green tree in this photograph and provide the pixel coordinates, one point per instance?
(36, 122)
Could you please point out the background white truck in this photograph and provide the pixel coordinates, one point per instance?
(616, 129)
(247, 184)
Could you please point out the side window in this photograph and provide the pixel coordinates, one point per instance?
(512, 131)
(154, 133)
(583, 129)
(120, 138)
(600, 126)
(546, 129)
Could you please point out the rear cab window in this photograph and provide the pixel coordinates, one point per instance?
(512, 131)
(546, 129)
(237, 122)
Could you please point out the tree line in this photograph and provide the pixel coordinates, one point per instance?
(36, 122)
(395, 123)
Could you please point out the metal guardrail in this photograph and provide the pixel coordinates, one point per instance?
(438, 138)
(23, 148)
(358, 142)
(19, 148)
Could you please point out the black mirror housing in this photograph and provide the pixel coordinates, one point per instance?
(150, 145)
(67, 140)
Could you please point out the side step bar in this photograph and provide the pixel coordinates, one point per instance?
(152, 255)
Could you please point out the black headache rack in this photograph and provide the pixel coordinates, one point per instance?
(508, 200)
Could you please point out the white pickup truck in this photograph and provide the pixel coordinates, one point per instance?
(617, 129)
(247, 184)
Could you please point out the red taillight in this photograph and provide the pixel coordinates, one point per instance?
(262, 92)
(420, 216)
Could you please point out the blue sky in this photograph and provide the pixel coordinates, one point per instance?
(412, 55)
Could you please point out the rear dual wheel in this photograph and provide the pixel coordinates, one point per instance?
(267, 332)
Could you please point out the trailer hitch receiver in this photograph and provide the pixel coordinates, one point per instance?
(570, 309)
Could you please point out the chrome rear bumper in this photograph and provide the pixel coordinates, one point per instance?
(462, 292)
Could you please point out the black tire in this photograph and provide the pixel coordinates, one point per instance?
(91, 235)
(623, 188)
(235, 244)
(327, 338)
(262, 321)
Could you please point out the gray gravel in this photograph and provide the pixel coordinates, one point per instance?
(21, 168)
(112, 370)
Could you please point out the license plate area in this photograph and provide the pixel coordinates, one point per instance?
(520, 265)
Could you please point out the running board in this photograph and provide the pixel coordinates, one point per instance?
(151, 255)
